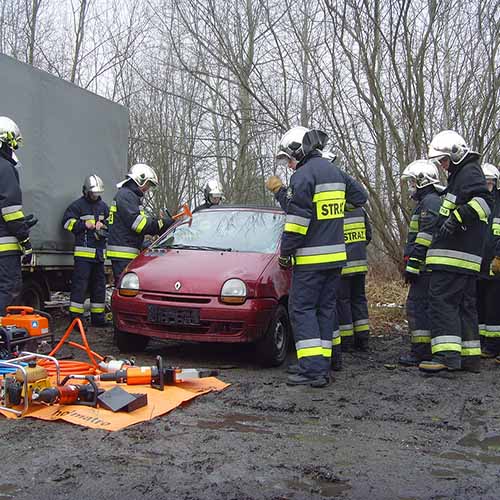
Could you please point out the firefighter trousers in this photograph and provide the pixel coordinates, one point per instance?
(88, 275)
(417, 305)
(488, 291)
(453, 317)
(313, 316)
(119, 266)
(352, 310)
(11, 280)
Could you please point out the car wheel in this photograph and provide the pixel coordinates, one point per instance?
(128, 342)
(273, 347)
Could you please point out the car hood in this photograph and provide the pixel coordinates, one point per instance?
(198, 272)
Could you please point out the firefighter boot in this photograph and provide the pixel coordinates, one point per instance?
(293, 369)
(409, 359)
(336, 363)
(318, 381)
(361, 343)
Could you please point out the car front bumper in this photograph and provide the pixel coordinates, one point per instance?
(219, 322)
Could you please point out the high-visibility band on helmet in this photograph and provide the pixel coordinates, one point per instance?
(97, 308)
(355, 266)
(320, 255)
(471, 348)
(361, 325)
(86, 252)
(313, 347)
(424, 239)
(9, 244)
(481, 208)
(76, 307)
(453, 258)
(121, 252)
(139, 223)
(12, 212)
(421, 337)
(70, 224)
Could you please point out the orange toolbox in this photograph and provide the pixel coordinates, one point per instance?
(26, 317)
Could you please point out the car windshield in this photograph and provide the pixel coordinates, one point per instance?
(229, 230)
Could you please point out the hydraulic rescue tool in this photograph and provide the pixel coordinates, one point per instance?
(70, 394)
(22, 379)
(157, 376)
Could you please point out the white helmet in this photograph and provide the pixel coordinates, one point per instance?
(10, 133)
(93, 184)
(290, 146)
(448, 143)
(491, 172)
(141, 174)
(424, 172)
(212, 190)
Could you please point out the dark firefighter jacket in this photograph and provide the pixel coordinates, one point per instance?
(314, 224)
(492, 245)
(88, 244)
(357, 234)
(467, 198)
(128, 223)
(13, 227)
(422, 225)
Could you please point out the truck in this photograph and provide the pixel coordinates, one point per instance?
(68, 133)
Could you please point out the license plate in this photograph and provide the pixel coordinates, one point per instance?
(173, 315)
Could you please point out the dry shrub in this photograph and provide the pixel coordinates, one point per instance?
(386, 300)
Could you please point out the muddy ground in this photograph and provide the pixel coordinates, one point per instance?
(374, 433)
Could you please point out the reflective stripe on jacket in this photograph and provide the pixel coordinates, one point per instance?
(314, 224)
(467, 198)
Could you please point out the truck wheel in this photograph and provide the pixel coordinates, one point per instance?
(32, 295)
(128, 342)
(273, 347)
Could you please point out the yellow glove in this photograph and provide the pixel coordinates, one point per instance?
(274, 184)
(495, 265)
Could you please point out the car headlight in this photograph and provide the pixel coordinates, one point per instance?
(129, 285)
(234, 291)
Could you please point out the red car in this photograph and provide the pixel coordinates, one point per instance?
(215, 278)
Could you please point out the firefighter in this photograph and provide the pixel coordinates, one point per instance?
(313, 242)
(352, 306)
(86, 219)
(213, 195)
(489, 282)
(128, 223)
(423, 186)
(454, 256)
(14, 226)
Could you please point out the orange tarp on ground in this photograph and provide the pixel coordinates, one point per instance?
(159, 403)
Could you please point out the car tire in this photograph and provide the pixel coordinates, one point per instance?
(129, 342)
(273, 347)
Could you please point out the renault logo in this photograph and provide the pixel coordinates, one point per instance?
(177, 285)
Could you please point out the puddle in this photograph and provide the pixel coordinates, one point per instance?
(8, 491)
(450, 474)
(320, 487)
(237, 422)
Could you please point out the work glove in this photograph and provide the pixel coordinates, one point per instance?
(451, 224)
(410, 278)
(30, 220)
(102, 233)
(274, 184)
(27, 251)
(495, 265)
(284, 262)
